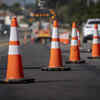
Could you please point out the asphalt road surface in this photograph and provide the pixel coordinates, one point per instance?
(82, 82)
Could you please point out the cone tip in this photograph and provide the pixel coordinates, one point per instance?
(73, 25)
(55, 23)
(14, 22)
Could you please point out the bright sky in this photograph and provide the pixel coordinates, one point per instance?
(9, 2)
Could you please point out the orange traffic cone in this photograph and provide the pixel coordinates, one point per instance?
(64, 38)
(14, 68)
(55, 62)
(15, 72)
(78, 34)
(74, 48)
(96, 43)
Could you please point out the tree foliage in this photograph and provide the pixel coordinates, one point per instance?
(74, 10)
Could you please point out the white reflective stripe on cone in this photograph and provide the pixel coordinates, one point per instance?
(13, 50)
(74, 42)
(14, 34)
(64, 36)
(74, 33)
(96, 41)
(55, 45)
(78, 35)
(55, 33)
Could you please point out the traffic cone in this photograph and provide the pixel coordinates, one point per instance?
(95, 44)
(55, 62)
(74, 48)
(78, 34)
(14, 67)
(64, 38)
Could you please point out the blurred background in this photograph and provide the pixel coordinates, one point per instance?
(34, 15)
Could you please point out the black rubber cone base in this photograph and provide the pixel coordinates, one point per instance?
(94, 57)
(75, 62)
(21, 81)
(56, 69)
